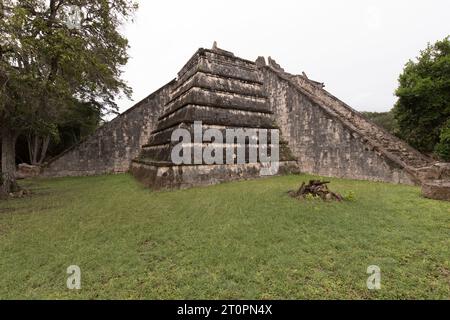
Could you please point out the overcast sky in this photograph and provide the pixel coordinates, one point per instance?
(356, 47)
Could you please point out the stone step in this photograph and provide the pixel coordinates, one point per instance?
(391, 144)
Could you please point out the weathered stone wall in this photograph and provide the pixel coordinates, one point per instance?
(321, 142)
(324, 135)
(112, 147)
(396, 148)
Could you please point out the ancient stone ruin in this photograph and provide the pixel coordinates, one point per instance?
(223, 92)
(319, 134)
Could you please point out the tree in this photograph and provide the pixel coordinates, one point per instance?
(51, 62)
(78, 123)
(423, 105)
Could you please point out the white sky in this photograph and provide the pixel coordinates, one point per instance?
(357, 48)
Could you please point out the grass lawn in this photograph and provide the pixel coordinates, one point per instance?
(240, 240)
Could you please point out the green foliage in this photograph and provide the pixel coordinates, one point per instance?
(443, 147)
(349, 196)
(239, 240)
(48, 68)
(385, 120)
(311, 197)
(423, 105)
(79, 122)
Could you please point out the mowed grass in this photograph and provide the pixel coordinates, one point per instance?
(240, 240)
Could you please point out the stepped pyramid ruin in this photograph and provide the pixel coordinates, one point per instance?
(223, 92)
(319, 134)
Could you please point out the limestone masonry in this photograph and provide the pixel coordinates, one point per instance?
(319, 133)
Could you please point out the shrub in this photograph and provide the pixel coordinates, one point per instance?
(443, 147)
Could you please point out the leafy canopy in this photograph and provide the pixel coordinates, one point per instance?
(48, 67)
(423, 105)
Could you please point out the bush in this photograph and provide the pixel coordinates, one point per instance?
(443, 147)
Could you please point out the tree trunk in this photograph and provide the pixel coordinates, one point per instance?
(45, 143)
(37, 148)
(8, 177)
(33, 148)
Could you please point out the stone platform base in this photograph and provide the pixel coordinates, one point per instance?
(25, 171)
(436, 189)
(187, 176)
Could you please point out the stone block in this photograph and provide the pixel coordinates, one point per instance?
(25, 171)
(436, 189)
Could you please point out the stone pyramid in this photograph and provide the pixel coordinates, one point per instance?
(217, 92)
(214, 90)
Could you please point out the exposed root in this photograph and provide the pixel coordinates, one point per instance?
(316, 188)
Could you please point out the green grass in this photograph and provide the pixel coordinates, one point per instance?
(241, 240)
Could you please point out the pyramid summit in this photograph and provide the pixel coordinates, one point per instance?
(318, 133)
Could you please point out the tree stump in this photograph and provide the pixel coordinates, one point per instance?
(316, 188)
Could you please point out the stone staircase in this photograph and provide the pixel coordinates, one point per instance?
(379, 139)
(389, 143)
